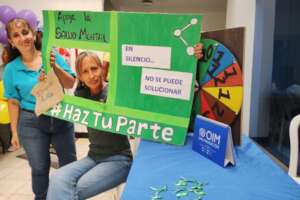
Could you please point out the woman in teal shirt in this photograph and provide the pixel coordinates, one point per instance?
(36, 134)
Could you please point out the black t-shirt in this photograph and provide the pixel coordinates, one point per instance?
(102, 143)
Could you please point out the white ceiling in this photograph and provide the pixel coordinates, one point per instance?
(171, 5)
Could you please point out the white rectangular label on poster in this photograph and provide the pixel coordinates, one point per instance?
(146, 56)
(166, 83)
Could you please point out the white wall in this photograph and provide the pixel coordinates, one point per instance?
(38, 5)
(242, 13)
(213, 21)
(262, 68)
(258, 18)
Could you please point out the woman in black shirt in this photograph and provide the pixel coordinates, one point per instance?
(109, 158)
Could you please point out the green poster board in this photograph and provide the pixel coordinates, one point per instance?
(151, 75)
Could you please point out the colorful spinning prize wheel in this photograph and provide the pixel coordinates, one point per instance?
(221, 83)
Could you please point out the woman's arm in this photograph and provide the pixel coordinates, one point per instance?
(14, 110)
(65, 78)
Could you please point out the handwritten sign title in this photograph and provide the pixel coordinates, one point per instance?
(82, 34)
(113, 123)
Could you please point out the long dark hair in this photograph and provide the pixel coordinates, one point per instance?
(14, 52)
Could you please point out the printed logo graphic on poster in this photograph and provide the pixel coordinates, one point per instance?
(213, 140)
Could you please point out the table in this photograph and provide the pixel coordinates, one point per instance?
(255, 176)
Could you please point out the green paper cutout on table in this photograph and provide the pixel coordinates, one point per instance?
(152, 70)
(183, 187)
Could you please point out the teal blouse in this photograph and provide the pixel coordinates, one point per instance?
(19, 81)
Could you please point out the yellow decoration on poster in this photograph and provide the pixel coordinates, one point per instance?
(230, 96)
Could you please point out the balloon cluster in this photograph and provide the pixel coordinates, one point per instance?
(7, 13)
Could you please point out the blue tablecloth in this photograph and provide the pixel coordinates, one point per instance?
(254, 177)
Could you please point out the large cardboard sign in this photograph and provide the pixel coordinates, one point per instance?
(151, 73)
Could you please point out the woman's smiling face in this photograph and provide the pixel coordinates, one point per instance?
(90, 73)
(20, 35)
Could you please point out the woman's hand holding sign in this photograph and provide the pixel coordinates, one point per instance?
(66, 80)
(198, 51)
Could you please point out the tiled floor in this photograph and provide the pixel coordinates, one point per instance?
(15, 178)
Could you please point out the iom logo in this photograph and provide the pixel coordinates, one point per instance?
(209, 137)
